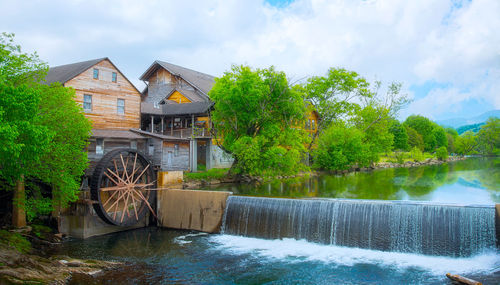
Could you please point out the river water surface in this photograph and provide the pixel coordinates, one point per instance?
(162, 256)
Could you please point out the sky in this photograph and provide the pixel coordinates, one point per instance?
(445, 53)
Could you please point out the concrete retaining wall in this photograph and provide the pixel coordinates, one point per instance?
(191, 209)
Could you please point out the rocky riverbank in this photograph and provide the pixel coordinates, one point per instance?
(197, 183)
(22, 264)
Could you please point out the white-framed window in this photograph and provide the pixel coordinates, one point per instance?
(120, 106)
(99, 146)
(96, 73)
(176, 150)
(113, 77)
(87, 103)
(133, 144)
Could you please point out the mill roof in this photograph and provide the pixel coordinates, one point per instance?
(64, 73)
(176, 109)
(202, 81)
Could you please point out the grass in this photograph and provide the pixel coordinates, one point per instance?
(15, 240)
(403, 157)
(214, 173)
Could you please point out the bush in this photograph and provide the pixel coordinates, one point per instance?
(442, 153)
(341, 147)
(214, 173)
(416, 154)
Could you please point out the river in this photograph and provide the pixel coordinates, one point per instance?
(163, 256)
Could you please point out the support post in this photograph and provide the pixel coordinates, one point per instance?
(161, 132)
(172, 126)
(192, 125)
(152, 125)
(208, 156)
(194, 155)
(18, 204)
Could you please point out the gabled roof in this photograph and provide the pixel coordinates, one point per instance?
(64, 73)
(201, 81)
(191, 95)
(176, 109)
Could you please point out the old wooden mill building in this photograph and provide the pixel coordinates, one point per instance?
(137, 137)
(168, 121)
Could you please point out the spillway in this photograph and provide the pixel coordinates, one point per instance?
(397, 226)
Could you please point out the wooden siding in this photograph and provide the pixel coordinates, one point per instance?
(109, 145)
(173, 161)
(178, 98)
(105, 93)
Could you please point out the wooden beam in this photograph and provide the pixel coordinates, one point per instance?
(462, 280)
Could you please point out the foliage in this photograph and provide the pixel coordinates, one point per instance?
(425, 128)
(400, 135)
(255, 111)
(442, 153)
(64, 161)
(414, 138)
(488, 137)
(416, 154)
(466, 143)
(15, 240)
(373, 121)
(440, 136)
(42, 128)
(214, 173)
(340, 147)
(335, 95)
(473, 128)
(451, 143)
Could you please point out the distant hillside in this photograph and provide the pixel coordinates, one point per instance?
(459, 122)
(474, 128)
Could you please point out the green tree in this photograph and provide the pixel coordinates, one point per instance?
(442, 153)
(451, 136)
(440, 136)
(414, 138)
(400, 135)
(253, 117)
(466, 143)
(335, 95)
(340, 147)
(488, 137)
(35, 122)
(425, 128)
(373, 121)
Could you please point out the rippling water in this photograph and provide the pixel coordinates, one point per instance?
(161, 256)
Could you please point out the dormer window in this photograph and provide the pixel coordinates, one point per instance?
(113, 77)
(96, 73)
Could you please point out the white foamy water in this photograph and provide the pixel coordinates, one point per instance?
(181, 240)
(291, 250)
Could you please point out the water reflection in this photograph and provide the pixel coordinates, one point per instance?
(475, 180)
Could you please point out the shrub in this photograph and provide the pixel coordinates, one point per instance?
(442, 153)
(416, 154)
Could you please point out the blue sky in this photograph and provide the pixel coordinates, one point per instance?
(446, 53)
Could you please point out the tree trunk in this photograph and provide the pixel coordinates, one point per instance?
(19, 204)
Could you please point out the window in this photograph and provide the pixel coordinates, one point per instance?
(96, 73)
(120, 106)
(151, 149)
(87, 103)
(176, 149)
(113, 76)
(99, 146)
(133, 144)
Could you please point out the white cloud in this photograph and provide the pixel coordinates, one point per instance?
(455, 44)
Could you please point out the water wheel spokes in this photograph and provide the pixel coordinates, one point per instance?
(123, 184)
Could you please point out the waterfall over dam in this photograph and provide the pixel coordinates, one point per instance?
(399, 226)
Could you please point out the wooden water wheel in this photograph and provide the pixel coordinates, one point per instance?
(123, 187)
